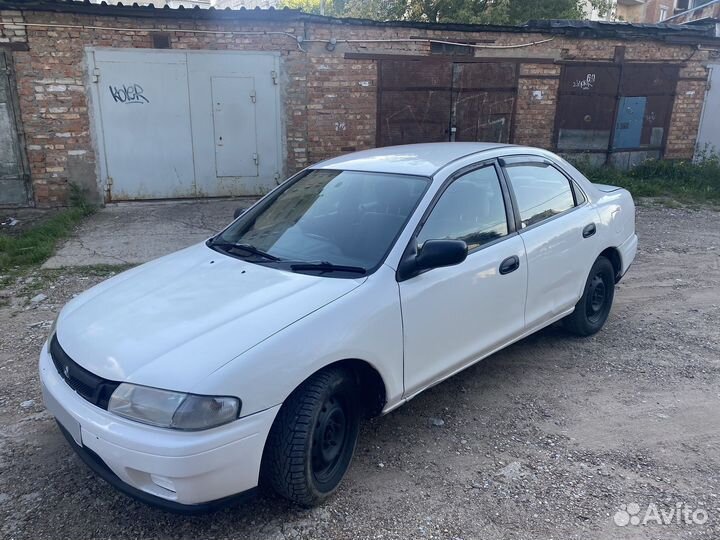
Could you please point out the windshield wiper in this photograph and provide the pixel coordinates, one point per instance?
(249, 248)
(325, 266)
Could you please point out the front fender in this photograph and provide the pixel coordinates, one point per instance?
(364, 324)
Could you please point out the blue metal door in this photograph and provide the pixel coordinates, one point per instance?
(628, 127)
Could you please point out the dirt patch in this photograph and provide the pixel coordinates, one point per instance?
(546, 439)
(14, 222)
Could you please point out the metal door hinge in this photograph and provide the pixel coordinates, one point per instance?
(256, 159)
(253, 96)
(273, 74)
(96, 75)
(108, 189)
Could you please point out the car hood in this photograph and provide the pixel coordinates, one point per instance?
(172, 322)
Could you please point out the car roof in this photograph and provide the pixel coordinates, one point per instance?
(418, 159)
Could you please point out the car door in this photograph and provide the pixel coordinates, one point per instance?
(455, 315)
(558, 227)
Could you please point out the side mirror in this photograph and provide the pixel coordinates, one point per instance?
(238, 212)
(438, 253)
(433, 254)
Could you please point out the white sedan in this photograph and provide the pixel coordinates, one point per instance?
(250, 359)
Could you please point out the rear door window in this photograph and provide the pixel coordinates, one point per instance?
(541, 191)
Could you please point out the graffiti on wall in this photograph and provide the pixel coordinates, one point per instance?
(585, 84)
(128, 94)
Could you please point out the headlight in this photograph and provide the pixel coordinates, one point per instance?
(175, 410)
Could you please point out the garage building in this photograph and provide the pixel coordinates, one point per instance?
(143, 103)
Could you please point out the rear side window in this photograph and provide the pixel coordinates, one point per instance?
(541, 191)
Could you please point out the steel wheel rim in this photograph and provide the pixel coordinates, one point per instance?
(596, 298)
(330, 439)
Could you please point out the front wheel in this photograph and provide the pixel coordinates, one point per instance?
(312, 440)
(593, 308)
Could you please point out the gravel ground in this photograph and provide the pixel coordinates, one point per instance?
(546, 439)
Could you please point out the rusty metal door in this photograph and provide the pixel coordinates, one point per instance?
(586, 107)
(483, 101)
(615, 112)
(13, 180)
(414, 101)
(429, 100)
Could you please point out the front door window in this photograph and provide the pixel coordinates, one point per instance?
(470, 209)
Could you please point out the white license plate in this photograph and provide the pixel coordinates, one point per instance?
(61, 415)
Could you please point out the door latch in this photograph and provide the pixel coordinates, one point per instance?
(253, 96)
(273, 74)
(256, 159)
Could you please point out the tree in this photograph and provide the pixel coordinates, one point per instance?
(379, 10)
(520, 11)
(332, 8)
(460, 11)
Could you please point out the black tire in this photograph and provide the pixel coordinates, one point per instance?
(594, 306)
(312, 440)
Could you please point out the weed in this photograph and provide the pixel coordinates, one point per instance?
(682, 181)
(37, 244)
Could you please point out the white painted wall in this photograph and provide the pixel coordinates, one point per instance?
(709, 133)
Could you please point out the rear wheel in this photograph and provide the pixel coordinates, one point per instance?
(593, 308)
(312, 440)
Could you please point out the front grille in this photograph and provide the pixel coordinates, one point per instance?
(94, 389)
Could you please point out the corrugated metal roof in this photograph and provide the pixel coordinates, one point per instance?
(130, 9)
(581, 29)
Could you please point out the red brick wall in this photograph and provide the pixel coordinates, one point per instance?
(51, 79)
(537, 98)
(329, 101)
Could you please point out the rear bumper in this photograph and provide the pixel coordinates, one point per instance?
(627, 250)
(178, 471)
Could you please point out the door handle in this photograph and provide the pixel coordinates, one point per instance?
(589, 230)
(510, 265)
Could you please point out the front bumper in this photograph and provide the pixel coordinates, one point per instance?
(176, 470)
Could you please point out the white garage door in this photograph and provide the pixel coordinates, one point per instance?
(708, 142)
(175, 124)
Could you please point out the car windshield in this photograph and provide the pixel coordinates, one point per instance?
(329, 217)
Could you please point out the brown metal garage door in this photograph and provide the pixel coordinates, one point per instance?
(616, 113)
(422, 100)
